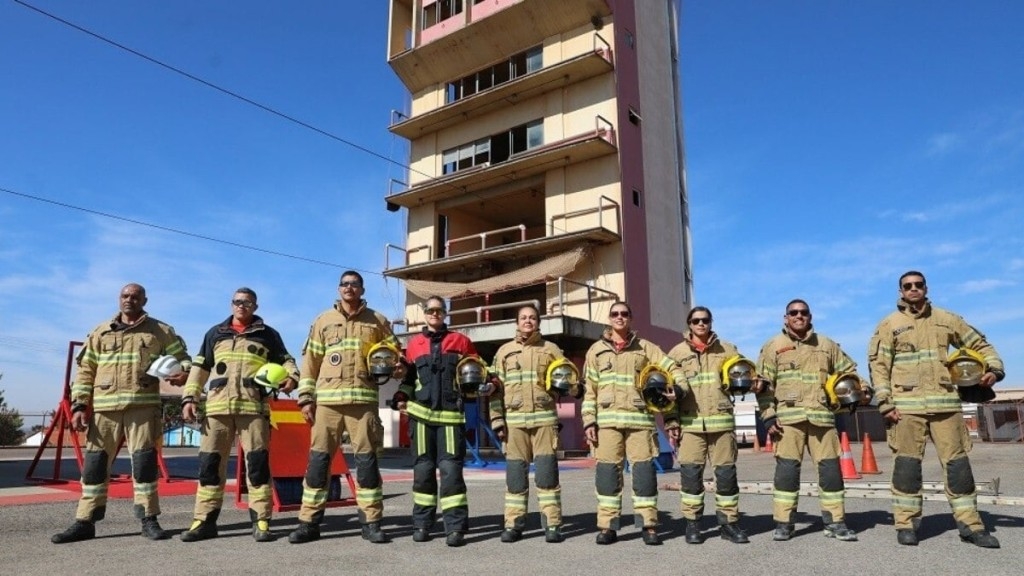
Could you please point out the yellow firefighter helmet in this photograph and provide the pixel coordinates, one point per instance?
(738, 375)
(657, 389)
(966, 367)
(562, 377)
(845, 391)
(381, 361)
(270, 376)
(471, 375)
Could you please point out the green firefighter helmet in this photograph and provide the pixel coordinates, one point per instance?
(562, 377)
(381, 361)
(471, 375)
(738, 375)
(845, 391)
(966, 367)
(656, 388)
(271, 376)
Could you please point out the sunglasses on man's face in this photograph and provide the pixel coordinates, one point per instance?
(799, 312)
(618, 314)
(243, 303)
(910, 285)
(434, 311)
(351, 284)
(696, 321)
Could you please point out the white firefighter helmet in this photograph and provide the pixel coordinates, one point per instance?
(845, 391)
(738, 375)
(656, 388)
(562, 377)
(966, 367)
(381, 360)
(164, 367)
(270, 376)
(471, 375)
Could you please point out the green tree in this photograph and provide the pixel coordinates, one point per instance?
(10, 425)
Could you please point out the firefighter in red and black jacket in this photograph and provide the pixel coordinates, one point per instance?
(431, 396)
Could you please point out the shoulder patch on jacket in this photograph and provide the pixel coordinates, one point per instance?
(899, 331)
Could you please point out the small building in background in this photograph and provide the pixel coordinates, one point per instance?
(184, 435)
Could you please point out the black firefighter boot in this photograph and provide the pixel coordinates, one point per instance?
(202, 529)
(306, 532)
(80, 530)
(373, 533)
(151, 529)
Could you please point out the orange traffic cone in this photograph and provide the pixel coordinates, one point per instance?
(757, 443)
(846, 464)
(768, 446)
(868, 464)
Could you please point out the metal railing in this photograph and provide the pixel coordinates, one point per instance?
(483, 237)
(561, 299)
(391, 186)
(406, 251)
(481, 313)
(607, 47)
(584, 211)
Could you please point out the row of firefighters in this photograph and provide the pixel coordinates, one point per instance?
(626, 386)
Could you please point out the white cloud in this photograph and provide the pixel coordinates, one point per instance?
(982, 285)
(940, 144)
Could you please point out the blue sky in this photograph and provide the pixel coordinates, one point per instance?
(830, 147)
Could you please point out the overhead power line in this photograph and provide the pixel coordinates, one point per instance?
(220, 89)
(183, 232)
(252, 102)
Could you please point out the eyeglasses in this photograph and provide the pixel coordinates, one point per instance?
(351, 284)
(909, 285)
(695, 321)
(618, 314)
(243, 303)
(799, 312)
(434, 311)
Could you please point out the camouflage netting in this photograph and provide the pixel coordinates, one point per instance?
(547, 269)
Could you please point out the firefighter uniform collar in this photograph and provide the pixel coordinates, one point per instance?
(807, 339)
(904, 307)
(340, 308)
(254, 326)
(116, 324)
(531, 340)
(699, 346)
(436, 334)
(630, 340)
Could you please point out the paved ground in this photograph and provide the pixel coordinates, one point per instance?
(29, 515)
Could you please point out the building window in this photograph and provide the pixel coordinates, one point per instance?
(634, 116)
(630, 41)
(636, 197)
(494, 149)
(518, 65)
(440, 11)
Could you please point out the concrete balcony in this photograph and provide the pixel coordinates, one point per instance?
(569, 71)
(501, 255)
(482, 35)
(580, 148)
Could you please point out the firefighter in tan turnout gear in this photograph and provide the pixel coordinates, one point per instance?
(337, 394)
(524, 416)
(707, 424)
(796, 413)
(119, 372)
(918, 399)
(233, 360)
(619, 421)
